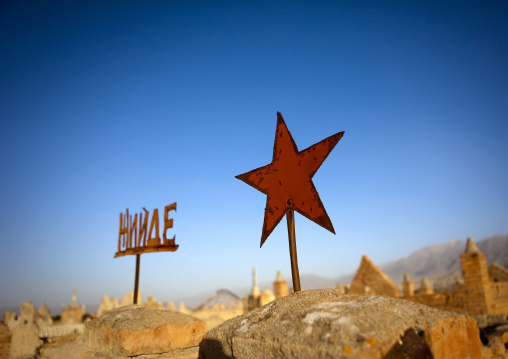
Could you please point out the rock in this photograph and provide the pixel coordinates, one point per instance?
(25, 336)
(134, 330)
(452, 338)
(327, 324)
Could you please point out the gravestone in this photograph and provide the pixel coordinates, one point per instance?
(25, 336)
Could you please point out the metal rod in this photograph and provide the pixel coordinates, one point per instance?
(136, 281)
(290, 216)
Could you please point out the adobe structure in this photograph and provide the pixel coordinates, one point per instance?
(483, 291)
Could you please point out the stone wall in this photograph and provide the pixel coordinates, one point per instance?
(500, 306)
(446, 300)
(48, 331)
(499, 290)
(498, 273)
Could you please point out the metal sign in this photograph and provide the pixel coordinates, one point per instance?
(136, 239)
(287, 182)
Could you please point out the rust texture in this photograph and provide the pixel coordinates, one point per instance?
(295, 274)
(287, 180)
(137, 240)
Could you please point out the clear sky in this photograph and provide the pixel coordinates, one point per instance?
(108, 105)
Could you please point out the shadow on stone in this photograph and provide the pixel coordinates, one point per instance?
(411, 345)
(211, 348)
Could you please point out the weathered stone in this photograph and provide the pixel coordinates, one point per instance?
(151, 303)
(69, 350)
(327, 324)
(504, 337)
(8, 316)
(43, 315)
(490, 320)
(187, 353)
(171, 305)
(486, 352)
(453, 338)
(426, 287)
(135, 330)
(72, 315)
(5, 341)
(370, 279)
(498, 349)
(408, 287)
(471, 246)
(78, 350)
(25, 336)
(280, 286)
(128, 299)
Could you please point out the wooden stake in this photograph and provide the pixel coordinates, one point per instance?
(290, 216)
(136, 281)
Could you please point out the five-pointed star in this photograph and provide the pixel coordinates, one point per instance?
(287, 181)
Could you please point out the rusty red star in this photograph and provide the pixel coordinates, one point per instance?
(287, 180)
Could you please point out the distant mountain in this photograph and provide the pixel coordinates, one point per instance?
(434, 262)
(440, 263)
(496, 249)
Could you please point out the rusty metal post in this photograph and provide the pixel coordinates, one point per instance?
(136, 281)
(290, 216)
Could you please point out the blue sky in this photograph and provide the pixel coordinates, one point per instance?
(112, 105)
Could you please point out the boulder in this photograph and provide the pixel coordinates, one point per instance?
(135, 330)
(328, 324)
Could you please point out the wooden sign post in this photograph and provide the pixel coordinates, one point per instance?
(287, 182)
(133, 239)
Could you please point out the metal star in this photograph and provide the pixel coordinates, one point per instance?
(287, 180)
